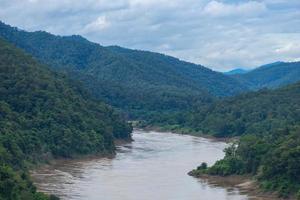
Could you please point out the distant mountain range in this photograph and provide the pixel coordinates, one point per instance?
(271, 75)
(236, 71)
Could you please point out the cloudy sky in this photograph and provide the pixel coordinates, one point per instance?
(220, 34)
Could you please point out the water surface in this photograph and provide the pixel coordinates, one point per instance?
(153, 167)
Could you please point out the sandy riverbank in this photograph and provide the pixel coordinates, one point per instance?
(193, 133)
(246, 185)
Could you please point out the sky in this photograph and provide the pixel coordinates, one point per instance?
(219, 34)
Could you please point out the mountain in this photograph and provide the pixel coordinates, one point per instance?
(236, 71)
(189, 74)
(137, 82)
(271, 75)
(43, 115)
(271, 64)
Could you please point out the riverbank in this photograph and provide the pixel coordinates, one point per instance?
(183, 131)
(52, 161)
(246, 185)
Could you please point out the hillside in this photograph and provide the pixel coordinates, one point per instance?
(255, 112)
(137, 82)
(45, 115)
(271, 76)
(192, 75)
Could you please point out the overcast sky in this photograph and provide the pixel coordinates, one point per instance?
(220, 34)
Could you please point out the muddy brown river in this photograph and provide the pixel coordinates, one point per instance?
(153, 167)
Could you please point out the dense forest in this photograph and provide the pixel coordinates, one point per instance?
(137, 82)
(44, 115)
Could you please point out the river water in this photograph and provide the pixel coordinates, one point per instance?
(153, 167)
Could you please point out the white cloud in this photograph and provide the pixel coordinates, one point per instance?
(221, 34)
(219, 9)
(288, 48)
(99, 24)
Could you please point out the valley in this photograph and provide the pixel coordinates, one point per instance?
(64, 98)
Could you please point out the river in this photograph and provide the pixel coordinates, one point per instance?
(153, 167)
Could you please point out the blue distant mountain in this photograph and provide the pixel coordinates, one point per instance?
(271, 75)
(270, 65)
(236, 71)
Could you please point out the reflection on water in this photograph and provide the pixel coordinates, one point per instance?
(153, 167)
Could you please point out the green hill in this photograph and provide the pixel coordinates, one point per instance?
(254, 112)
(137, 82)
(45, 115)
(271, 76)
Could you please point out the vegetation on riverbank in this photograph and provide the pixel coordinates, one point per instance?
(272, 158)
(269, 122)
(45, 115)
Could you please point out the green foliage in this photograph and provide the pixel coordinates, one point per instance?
(281, 165)
(203, 166)
(44, 115)
(298, 194)
(16, 185)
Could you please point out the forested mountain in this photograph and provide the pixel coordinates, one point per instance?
(192, 75)
(134, 81)
(271, 75)
(42, 115)
(253, 112)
